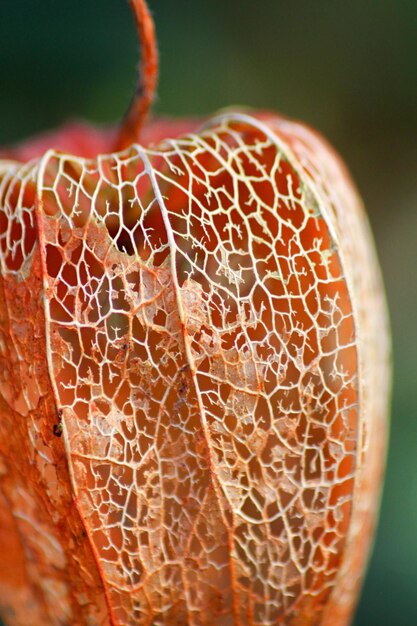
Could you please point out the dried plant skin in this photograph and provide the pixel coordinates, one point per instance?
(203, 320)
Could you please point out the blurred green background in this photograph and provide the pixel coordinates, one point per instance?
(347, 68)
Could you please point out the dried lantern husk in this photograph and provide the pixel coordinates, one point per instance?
(193, 380)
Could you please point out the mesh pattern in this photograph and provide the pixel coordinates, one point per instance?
(202, 351)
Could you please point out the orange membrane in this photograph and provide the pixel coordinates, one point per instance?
(202, 357)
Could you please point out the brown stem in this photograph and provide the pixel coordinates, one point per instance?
(148, 76)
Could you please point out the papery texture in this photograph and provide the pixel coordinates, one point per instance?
(193, 383)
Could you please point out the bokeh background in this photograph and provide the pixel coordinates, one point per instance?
(347, 68)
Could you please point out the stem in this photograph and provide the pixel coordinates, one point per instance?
(148, 76)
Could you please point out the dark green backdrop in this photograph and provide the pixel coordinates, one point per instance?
(347, 68)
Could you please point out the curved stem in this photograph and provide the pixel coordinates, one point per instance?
(148, 76)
